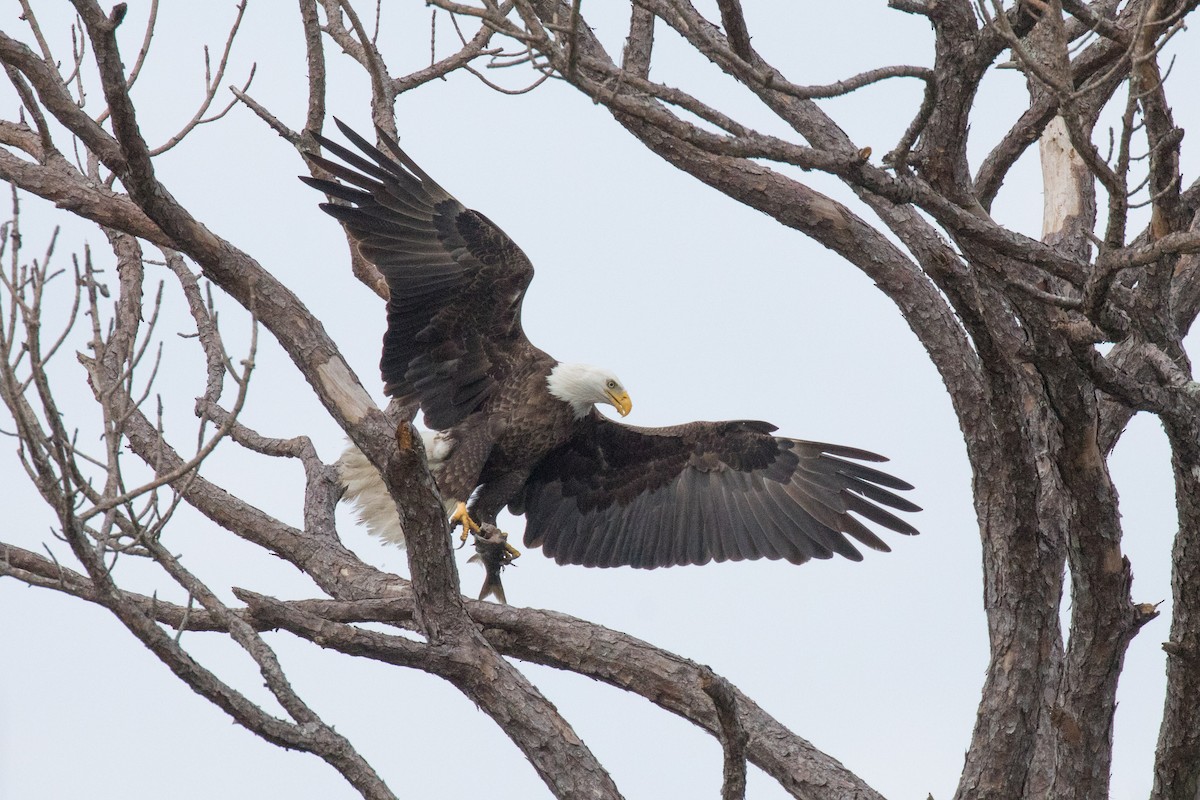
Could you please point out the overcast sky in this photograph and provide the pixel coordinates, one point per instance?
(705, 309)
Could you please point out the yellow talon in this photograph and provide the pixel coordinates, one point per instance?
(512, 551)
(461, 517)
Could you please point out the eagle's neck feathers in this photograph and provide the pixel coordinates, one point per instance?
(580, 386)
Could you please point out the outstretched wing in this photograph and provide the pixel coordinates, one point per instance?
(457, 281)
(708, 491)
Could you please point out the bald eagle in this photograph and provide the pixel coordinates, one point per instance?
(514, 427)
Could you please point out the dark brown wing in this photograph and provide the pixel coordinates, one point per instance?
(616, 495)
(457, 281)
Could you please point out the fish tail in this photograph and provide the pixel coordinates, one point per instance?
(493, 588)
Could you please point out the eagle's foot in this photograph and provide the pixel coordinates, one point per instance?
(512, 552)
(461, 517)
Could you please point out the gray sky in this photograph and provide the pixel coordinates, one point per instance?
(705, 309)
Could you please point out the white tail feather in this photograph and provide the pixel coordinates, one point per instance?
(366, 492)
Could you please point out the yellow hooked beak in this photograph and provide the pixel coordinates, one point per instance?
(621, 402)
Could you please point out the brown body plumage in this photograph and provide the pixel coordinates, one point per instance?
(522, 429)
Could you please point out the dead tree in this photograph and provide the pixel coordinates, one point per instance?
(1046, 348)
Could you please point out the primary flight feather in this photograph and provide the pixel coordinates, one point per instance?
(517, 428)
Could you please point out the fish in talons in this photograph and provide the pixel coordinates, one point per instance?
(493, 551)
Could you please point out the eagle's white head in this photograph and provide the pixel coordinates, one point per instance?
(582, 386)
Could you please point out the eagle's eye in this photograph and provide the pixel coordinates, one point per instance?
(611, 383)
